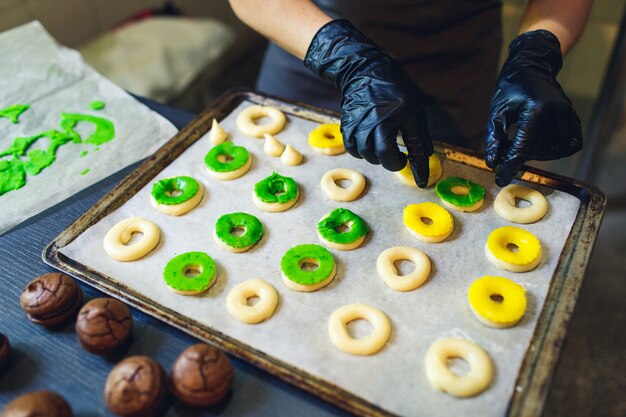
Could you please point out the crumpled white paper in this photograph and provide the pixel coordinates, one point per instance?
(53, 79)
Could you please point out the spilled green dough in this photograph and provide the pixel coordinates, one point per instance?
(17, 161)
(96, 105)
(14, 112)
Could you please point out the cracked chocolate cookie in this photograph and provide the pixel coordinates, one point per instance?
(39, 403)
(51, 299)
(103, 325)
(136, 387)
(202, 375)
(5, 350)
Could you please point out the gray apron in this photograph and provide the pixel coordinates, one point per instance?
(449, 48)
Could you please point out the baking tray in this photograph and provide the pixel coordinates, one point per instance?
(539, 360)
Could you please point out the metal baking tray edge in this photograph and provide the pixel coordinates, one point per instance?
(540, 359)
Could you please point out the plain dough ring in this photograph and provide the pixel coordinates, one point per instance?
(247, 126)
(505, 206)
(337, 193)
(237, 301)
(182, 208)
(116, 239)
(441, 378)
(231, 175)
(367, 345)
(387, 270)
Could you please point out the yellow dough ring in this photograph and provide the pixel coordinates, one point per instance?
(497, 301)
(428, 222)
(327, 139)
(500, 245)
(405, 175)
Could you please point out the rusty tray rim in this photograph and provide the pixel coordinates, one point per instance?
(540, 359)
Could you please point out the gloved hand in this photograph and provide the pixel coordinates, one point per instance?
(528, 94)
(378, 99)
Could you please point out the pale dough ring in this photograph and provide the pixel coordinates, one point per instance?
(237, 301)
(182, 208)
(367, 345)
(441, 378)
(247, 126)
(231, 175)
(116, 239)
(505, 206)
(387, 270)
(337, 193)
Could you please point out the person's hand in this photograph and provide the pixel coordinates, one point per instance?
(378, 99)
(527, 94)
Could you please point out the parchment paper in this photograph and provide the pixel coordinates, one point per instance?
(297, 333)
(36, 71)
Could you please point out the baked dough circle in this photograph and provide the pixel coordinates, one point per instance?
(505, 206)
(440, 226)
(441, 378)
(499, 314)
(526, 258)
(181, 208)
(246, 124)
(368, 345)
(237, 301)
(116, 239)
(337, 193)
(387, 269)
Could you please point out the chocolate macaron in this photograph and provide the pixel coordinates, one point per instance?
(51, 299)
(103, 325)
(202, 375)
(5, 350)
(39, 403)
(136, 387)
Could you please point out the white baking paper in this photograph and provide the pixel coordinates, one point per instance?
(298, 332)
(52, 79)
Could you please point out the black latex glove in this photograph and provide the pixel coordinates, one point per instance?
(378, 99)
(528, 94)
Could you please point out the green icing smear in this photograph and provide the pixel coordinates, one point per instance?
(174, 272)
(276, 189)
(97, 105)
(239, 156)
(186, 185)
(83, 153)
(476, 192)
(23, 162)
(342, 217)
(14, 112)
(85, 172)
(253, 229)
(291, 264)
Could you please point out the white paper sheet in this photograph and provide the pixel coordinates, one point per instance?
(298, 332)
(54, 80)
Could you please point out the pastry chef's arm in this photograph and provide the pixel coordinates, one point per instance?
(528, 95)
(378, 98)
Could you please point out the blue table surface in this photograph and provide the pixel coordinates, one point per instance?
(53, 360)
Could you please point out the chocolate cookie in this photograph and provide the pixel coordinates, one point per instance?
(202, 375)
(40, 403)
(136, 387)
(103, 325)
(5, 350)
(51, 299)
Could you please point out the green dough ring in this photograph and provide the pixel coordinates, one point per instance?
(253, 229)
(267, 188)
(341, 216)
(174, 272)
(444, 191)
(239, 154)
(187, 185)
(290, 264)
